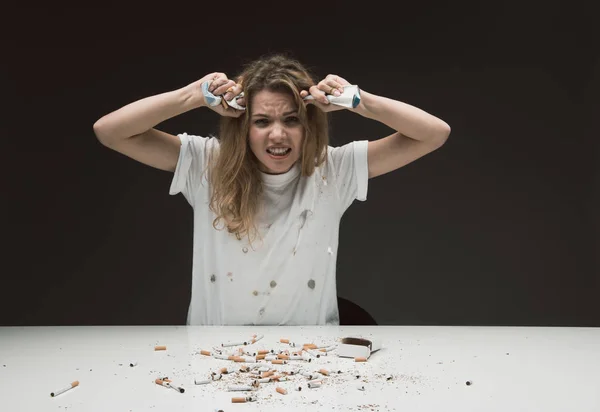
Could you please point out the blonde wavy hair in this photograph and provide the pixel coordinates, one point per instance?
(233, 172)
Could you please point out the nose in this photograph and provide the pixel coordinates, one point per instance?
(278, 130)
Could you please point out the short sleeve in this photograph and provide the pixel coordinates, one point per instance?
(349, 164)
(193, 158)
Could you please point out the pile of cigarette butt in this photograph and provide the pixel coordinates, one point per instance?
(260, 368)
(257, 374)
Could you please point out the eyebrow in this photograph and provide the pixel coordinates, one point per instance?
(285, 114)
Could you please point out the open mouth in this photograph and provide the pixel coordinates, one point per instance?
(279, 152)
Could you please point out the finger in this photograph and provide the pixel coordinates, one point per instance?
(339, 80)
(318, 94)
(329, 86)
(234, 90)
(241, 101)
(223, 87)
(217, 81)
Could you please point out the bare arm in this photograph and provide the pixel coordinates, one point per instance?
(130, 129)
(418, 133)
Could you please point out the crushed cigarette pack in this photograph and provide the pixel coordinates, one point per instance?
(353, 347)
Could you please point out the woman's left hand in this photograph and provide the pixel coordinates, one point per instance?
(330, 85)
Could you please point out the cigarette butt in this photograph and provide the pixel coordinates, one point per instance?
(267, 374)
(243, 400)
(360, 359)
(205, 352)
(324, 372)
(176, 387)
(223, 102)
(282, 356)
(284, 340)
(66, 388)
(245, 369)
(260, 357)
(312, 385)
(309, 346)
(257, 338)
(160, 347)
(263, 352)
(161, 382)
(228, 344)
(281, 390)
(216, 376)
(239, 388)
(279, 362)
(202, 381)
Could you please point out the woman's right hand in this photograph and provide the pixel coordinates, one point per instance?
(220, 85)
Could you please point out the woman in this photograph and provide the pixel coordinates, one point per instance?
(268, 193)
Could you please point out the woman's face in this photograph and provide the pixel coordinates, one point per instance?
(276, 133)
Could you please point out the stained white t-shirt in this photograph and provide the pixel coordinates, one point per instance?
(288, 277)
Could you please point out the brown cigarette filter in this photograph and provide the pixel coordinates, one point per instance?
(281, 390)
(238, 400)
(279, 361)
(309, 346)
(161, 347)
(282, 356)
(263, 352)
(284, 340)
(260, 357)
(324, 372)
(205, 352)
(360, 359)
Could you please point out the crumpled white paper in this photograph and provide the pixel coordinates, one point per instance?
(350, 98)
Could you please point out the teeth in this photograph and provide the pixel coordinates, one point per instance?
(278, 151)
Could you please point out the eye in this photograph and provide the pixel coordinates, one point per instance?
(292, 119)
(261, 122)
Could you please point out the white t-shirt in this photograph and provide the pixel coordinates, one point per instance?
(289, 278)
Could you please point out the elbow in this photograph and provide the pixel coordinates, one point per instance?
(100, 132)
(442, 134)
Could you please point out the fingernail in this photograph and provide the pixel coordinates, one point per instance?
(227, 96)
(336, 92)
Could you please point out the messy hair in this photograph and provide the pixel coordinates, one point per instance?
(234, 174)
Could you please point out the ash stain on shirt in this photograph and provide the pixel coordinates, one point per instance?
(213, 278)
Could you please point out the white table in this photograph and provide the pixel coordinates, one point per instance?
(511, 369)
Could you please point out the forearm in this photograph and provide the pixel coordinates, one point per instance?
(144, 114)
(404, 118)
